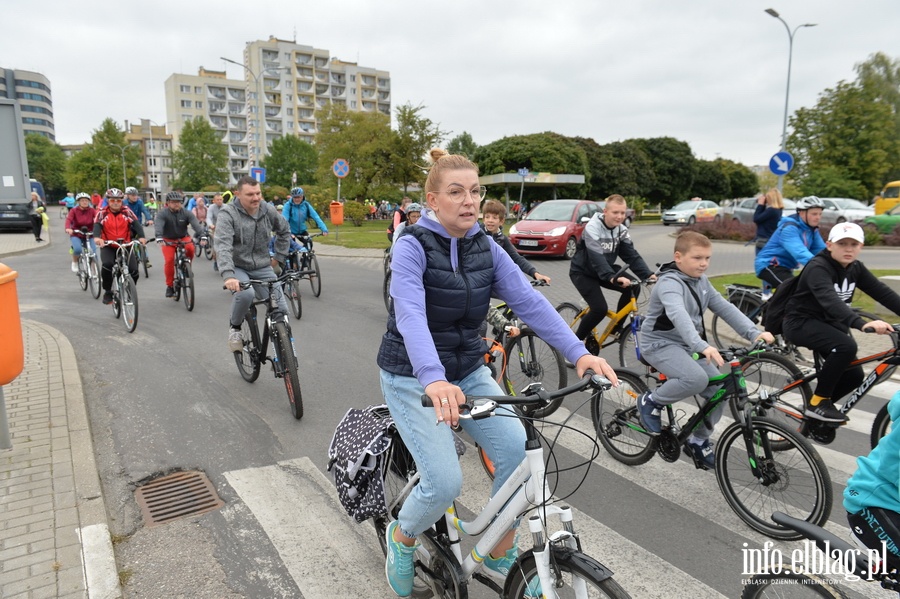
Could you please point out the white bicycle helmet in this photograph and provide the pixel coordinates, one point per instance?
(131, 191)
(809, 202)
(82, 195)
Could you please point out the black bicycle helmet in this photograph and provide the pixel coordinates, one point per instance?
(175, 196)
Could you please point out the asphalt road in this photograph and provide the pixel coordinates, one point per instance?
(168, 397)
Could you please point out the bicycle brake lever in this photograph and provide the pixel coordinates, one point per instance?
(480, 410)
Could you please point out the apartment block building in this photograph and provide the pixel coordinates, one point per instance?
(156, 151)
(32, 91)
(284, 84)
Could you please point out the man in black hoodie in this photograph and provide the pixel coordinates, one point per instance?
(819, 316)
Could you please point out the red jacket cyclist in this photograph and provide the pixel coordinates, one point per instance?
(115, 222)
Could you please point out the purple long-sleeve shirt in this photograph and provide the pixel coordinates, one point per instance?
(509, 284)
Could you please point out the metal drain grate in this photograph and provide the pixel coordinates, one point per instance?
(175, 496)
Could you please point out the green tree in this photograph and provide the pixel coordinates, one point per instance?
(674, 167)
(463, 144)
(742, 181)
(289, 155)
(47, 164)
(853, 128)
(364, 140)
(620, 167)
(832, 182)
(201, 158)
(415, 135)
(711, 182)
(98, 165)
(539, 153)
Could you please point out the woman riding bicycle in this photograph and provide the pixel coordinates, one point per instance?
(82, 216)
(116, 222)
(818, 316)
(445, 269)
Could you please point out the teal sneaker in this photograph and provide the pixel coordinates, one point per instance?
(399, 567)
(502, 566)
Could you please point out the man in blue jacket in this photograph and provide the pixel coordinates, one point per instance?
(794, 243)
(298, 211)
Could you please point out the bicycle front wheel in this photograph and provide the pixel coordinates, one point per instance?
(208, 250)
(628, 346)
(187, 285)
(144, 260)
(573, 572)
(789, 584)
(616, 421)
(315, 278)
(750, 306)
(386, 291)
(772, 372)
(881, 426)
(248, 360)
(94, 276)
(83, 274)
(128, 297)
(793, 480)
(285, 350)
(530, 359)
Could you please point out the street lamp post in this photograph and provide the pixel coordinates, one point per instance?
(106, 163)
(122, 149)
(259, 107)
(787, 93)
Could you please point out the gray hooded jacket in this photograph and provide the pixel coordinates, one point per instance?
(242, 240)
(673, 315)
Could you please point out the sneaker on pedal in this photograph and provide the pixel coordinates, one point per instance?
(826, 412)
(170, 292)
(399, 567)
(649, 413)
(235, 340)
(75, 267)
(107, 298)
(703, 454)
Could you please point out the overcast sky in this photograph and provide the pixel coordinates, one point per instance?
(708, 72)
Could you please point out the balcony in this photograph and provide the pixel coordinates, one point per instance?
(368, 93)
(272, 112)
(368, 106)
(384, 109)
(235, 108)
(368, 80)
(304, 86)
(322, 102)
(304, 73)
(273, 99)
(305, 113)
(321, 62)
(237, 94)
(304, 100)
(339, 78)
(219, 122)
(238, 123)
(216, 92)
(270, 55)
(337, 92)
(384, 96)
(303, 58)
(322, 76)
(274, 126)
(237, 137)
(384, 83)
(216, 107)
(238, 165)
(321, 89)
(238, 151)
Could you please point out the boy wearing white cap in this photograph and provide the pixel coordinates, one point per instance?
(818, 316)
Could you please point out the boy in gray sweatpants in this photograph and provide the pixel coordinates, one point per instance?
(673, 330)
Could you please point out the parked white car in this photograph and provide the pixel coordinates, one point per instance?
(839, 210)
(690, 212)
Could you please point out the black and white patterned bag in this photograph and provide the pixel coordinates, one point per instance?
(356, 458)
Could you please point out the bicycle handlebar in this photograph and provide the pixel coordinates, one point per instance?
(280, 279)
(483, 406)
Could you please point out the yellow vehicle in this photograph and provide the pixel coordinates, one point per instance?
(888, 198)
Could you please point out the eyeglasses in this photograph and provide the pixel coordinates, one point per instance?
(111, 200)
(459, 194)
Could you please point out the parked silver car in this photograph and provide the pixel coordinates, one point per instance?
(690, 212)
(839, 210)
(742, 210)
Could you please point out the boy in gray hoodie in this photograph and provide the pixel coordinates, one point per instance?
(673, 330)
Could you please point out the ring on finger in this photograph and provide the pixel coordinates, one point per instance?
(444, 401)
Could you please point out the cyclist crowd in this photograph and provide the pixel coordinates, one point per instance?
(433, 344)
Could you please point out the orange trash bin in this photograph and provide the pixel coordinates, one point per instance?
(337, 213)
(12, 353)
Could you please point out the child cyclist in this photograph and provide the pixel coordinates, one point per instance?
(605, 240)
(818, 316)
(493, 213)
(673, 331)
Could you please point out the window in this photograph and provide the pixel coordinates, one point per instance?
(154, 179)
(290, 125)
(198, 89)
(185, 89)
(353, 104)
(198, 104)
(151, 162)
(290, 112)
(185, 103)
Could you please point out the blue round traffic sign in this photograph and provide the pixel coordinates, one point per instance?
(340, 168)
(781, 163)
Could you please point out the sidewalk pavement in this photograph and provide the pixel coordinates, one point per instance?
(54, 537)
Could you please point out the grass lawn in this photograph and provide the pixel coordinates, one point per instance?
(860, 299)
(372, 234)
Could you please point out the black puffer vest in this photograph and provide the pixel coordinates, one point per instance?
(456, 304)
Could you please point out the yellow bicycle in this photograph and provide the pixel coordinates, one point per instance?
(621, 327)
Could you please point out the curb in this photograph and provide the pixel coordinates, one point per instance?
(98, 558)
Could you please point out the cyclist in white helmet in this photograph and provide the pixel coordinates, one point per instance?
(793, 244)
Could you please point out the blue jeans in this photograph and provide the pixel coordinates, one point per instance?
(77, 244)
(502, 436)
(241, 301)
